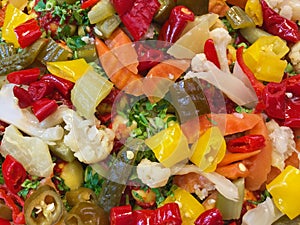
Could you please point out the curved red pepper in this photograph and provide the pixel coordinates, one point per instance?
(27, 33)
(40, 89)
(14, 174)
(211, 52)
(23, 96)
(24, 76)
(43, 108)
(278, 25)
(210, 217)
(88, 3)
(62, 85)
(247, 143)
(173, 27)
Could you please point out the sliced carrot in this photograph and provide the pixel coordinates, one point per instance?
(233, 171)
(122, 78)
(121, 45)
(235, 157)
(227, 123)
(260, 164)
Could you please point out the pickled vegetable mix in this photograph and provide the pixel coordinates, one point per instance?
(152, 112)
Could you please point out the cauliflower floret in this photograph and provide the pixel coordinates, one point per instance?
(198, 63)
(89, 143)
(282, 138)
(289, 9)
(221, 38)
(294, 56)
(153, 174)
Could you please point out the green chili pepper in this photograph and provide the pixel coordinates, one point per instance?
(81, 194)
(107, 26)
(61, 150)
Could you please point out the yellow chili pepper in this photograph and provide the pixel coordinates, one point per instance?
(285, 191)
(254, 11)
(263, 58)
(70, 70)
(13, 18)
(190, 207)
(209, 150)
(170, 146)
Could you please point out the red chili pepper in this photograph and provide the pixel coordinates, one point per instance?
(168, 214)
(210, 217)
(138, 19)
(27, 33)
(211, 52)
(122, 6)
(173, 27)
(121, 215)
(24, 76)
(247, 143)
(24, 98)
(13, 204)
(257, 85)
(40, 89)
(43, 108)
(14, 174)
(4, 222)
(278, 25)
(88, 3)
(62, 85)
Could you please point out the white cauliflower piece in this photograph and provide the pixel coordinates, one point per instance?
(294, 56)
(222, 39)
(198, 63)
(290, 9)
(282, 138)
(89, 143)
(153, 174)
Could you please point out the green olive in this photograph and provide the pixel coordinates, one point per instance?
(86, 213)
(81, 194)
(72, 174)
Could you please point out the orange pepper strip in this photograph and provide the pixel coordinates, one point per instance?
(235, 157)
(233, 171)
(122, 78)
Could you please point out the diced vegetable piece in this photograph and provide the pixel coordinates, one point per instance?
(108, 26)
(99, 12)
(253, 33)
(89, 91)
(238, 18)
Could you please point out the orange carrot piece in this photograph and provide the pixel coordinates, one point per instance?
(235, 157)
(121, 45)
(260, 164)
(122, 78)
(233, 171)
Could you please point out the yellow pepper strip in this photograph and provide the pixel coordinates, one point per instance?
(285, 191)
(170, 146)
(190, 207)
(263, 58)
(254, 11)
(70, 70)
(209, 150)
(13, 18)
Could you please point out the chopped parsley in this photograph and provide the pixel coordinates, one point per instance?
(28, 185)
(241, 109)
(92, 180)
(1, 175)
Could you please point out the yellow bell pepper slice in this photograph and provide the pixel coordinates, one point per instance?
(13, 18)
(190, 207)
(254, 11)
(170, 146)
(285, 191)
(263, 58)
(209, 150)
(70, 70)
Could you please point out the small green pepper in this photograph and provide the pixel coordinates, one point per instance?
(43, 207)
(81, 194)
(61, 150)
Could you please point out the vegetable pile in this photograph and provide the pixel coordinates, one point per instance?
(149, 112)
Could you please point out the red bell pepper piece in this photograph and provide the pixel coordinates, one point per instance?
(210, 217)
(4, 222)
(14, 203)
(121, 215)
(40, 89)
(247, 143)
(257, 85)
(122, 6)
(24, 76)
(27, 33)
(144, 216)
(168, 214)
(173, 27)
(138, 19)
(88, 3)
(278, 25)
(43, 108)
(24, 98)
(211, 52)
(62, 85)
(14, 174)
